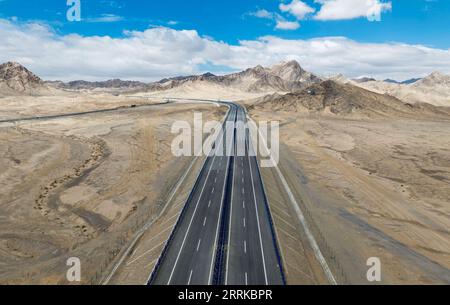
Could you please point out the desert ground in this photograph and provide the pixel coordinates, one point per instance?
(370, 170)
(370, 188)
(82, 186)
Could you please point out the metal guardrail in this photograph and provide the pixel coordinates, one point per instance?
(272, 228)
(220, 260)
(269, 216)
(180, 217)
(176, 227)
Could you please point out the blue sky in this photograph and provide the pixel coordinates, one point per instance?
(411, 22)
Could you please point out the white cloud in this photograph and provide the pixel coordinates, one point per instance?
(297, 8)
(280, 22)
(105, 18)
(287, 25)
(263, 14)
(351, 9)
(162, 52)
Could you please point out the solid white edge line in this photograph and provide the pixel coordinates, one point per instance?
(231, 217)
(165, 207)
(195, 211)
(312, 241)
(257, 214)
(146, 227)
(220, 211)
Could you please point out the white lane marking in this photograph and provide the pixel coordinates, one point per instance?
(221, 207)
(242, 179)
(215, 180)
(312, 241)
(243, 191)
(231, 221)
(245, 246)
(204, 222)
(146, 227)
(244, 222)
(209, 203)
(246, 278)
(190, 277)
(212, 190)
(192, 218)
(243, 204)
(198, 245)
(257, 218)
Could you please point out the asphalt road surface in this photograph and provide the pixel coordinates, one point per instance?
(227, 197)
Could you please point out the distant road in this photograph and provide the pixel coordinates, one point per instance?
(72, 114)
(224, 234)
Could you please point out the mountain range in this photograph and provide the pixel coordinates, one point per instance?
(285, 77)
(345, 99)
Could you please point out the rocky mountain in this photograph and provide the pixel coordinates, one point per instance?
(345, 99)
(405, 82)
(433, 80)
(16, 79)
(364, 80)
(433, 89)
(285, 76)
(109, 84)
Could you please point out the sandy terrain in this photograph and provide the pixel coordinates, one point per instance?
(81, 186)
(371, 188)
(64, 102)
(205, 91)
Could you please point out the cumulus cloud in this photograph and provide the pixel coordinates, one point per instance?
(162, 52)
(262, 14)
(351, 9)
(297, 8)
(287, 25)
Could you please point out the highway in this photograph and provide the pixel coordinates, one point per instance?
(223, 235)
(251, 255)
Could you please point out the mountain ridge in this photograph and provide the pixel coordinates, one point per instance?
(16, 79)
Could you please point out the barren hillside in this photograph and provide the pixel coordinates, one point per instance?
(346, 99)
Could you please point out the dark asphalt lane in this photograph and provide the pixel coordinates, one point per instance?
(251, 257)
(251, 253)
(189, 259)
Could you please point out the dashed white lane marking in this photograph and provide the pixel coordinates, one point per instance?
(212, 190)
(245, 246)
(243, 204)
(204, 222)
(257, 219)
(215, 180)
(246, 278)
(209, 203)
(243, 191)
(244, 222)
(198, 245)
(242, 179)
(190, 276)
(190, 222)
